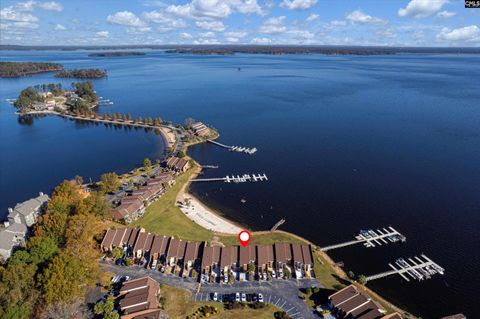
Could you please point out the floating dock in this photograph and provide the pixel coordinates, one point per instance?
(371, 238)
(416, 268)
(235, 179)
(239, 149)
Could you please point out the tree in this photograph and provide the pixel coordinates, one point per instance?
(117, 252)
(78, 179)
(97, 204)
(109, 182)
(181, 154)
(41, 249)
(362, 279)
(189, 122)
(351, 274)
(147, 163)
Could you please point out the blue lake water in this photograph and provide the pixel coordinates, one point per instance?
(348, 142)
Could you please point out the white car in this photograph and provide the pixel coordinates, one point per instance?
(215, 296)
(260, 297)
(280, 273)
(237, 297)
(264, 276)
(225, 279)
(162, 269)
(274, 275)
(244, 297)
(154, 264)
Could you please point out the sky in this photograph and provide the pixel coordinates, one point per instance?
(298, 22)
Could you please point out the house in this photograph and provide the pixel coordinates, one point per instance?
(307, 258)
(159, 248)
(137, 296)
(11, 237)
(265, 257)
(200, 129)
(191, 254)
(27, 212)
(121, 237)
(142, 245)
(283, 255)
(229, 259)
(129, 210)
(177, 164)
(176, 251)
(247, 256)
(107, 241)
(297, 257)
(164, 178)
(211, 260)
(350, 303)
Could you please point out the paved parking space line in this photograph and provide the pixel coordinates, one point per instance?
(276, 304)
(269, 298)
(294, 314)
(287, 311)
(283, 304)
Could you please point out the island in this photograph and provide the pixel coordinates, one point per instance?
(52, 97)
(116, 53)
(16, 69)
(82, 73)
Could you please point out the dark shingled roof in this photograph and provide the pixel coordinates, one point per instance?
(225, 257)
(108, 239)
(368, 308)
(133, 237)
(343, 295)
(352, 303)
(283, 252)
(191, 252)
(216, 255)
(265, 254)
(297, 253)
(140, 243)
(148, 242)
(207, 256)
(118, 239)
(172, 248)
(307, 255)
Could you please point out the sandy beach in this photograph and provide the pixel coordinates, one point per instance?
(205, 217)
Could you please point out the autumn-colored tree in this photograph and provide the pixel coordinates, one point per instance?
(97, 204)
(110, 182)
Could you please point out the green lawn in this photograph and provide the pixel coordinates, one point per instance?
(163, 217)
(262, 239)
(325, 273)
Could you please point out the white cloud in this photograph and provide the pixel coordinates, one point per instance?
(206, 41)
(261, 41)
(138, 30)
(126, 18)
(273, 25)
(50, 6)
(337, 23)
(421, 8)
(102, 34)
(386, 33)
(214, 9)
(446, 14)
(302, 34)
(465, 34)
(298, 4)
(60, 27)
(312, 17)
(358, 16)
(211, 25)
(185, 35)
(232, 39)
(207, 35)
(167, 22)
(11, 14)
(236, 34)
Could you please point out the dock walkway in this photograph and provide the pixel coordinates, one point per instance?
(240, 149)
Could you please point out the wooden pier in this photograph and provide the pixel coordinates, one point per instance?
(235, 179)
(416, 268)
(278, 224)
(240, 149)
(371, 238)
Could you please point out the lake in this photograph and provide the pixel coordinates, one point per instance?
(348, 143)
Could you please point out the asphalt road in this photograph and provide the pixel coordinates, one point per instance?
(281, 293)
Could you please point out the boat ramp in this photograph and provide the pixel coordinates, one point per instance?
(371, 238)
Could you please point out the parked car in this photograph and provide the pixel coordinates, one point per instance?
(237, 297)
(225, 279)
(244, 297)
(215, 296)
(124, 278)
(154, 264)
(260, 298)
(162, 269)
(280, 273)
(264, 276)
(274, 275)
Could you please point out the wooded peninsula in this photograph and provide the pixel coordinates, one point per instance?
(82, 73)
(15, 69)
(115, 53)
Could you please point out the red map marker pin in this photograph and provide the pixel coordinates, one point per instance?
(244, 237)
